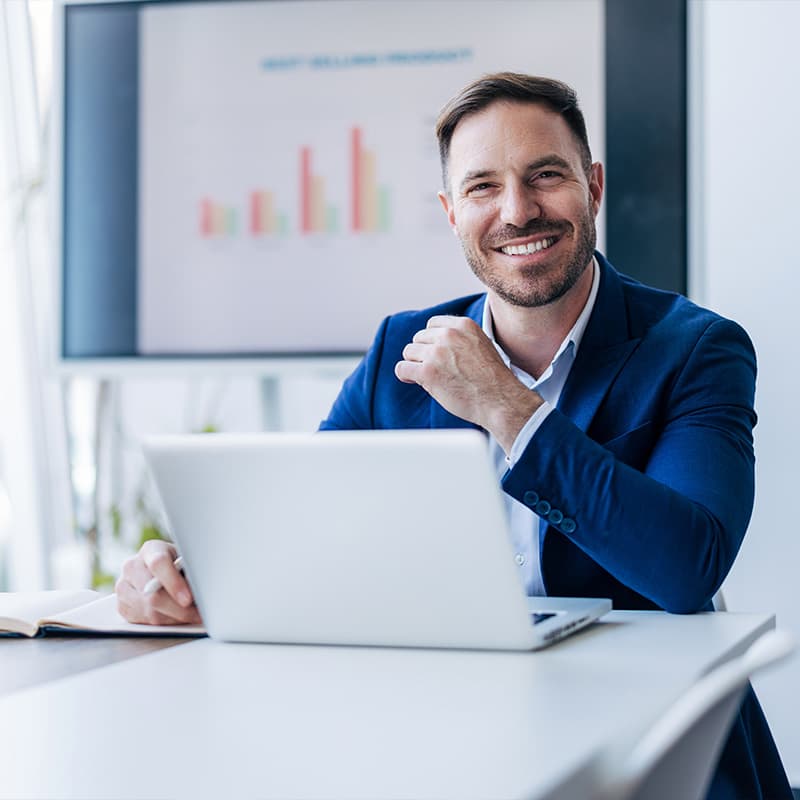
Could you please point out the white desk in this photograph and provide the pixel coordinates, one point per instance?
(215, 720)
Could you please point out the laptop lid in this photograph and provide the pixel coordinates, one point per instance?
(353, 537)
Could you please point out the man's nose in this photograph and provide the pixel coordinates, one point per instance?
(519, 205)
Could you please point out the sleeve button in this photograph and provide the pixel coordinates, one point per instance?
(555, 516)
(542, 508)
(568, 525)
(530, 499)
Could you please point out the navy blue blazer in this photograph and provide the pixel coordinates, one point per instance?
(644, 473)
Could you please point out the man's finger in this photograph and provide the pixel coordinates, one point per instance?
(170, 611)
(415, 351)
(426, 336)
(446, 321)
(408, 371)
(162, 566)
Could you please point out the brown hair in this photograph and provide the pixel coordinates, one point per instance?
(514, 87)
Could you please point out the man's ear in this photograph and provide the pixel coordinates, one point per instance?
(447, 205)
(596, 185)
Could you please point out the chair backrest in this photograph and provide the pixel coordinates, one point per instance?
(675, 757)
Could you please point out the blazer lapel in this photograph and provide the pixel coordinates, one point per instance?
(439, 416)
(605, 348)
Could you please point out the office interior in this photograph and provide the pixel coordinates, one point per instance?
(75, 496)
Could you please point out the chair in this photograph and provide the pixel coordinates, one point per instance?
(675, 757)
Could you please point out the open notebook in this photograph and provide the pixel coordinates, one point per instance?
(85, 611)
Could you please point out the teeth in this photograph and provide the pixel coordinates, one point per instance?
(527, 249)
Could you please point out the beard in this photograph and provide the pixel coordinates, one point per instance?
(539, 285)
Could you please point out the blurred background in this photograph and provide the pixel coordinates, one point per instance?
(184, 186)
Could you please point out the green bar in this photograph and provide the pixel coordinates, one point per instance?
(332, 220)
(231, 214)
(283, 223)
(383, 208)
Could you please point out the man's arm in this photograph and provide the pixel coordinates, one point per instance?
(672, 530)
(669, 528)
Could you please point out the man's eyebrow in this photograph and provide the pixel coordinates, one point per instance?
(474, 174)
(550, 160)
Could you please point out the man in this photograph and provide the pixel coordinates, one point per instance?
(620, 416)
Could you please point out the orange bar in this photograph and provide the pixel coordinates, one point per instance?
(267, 213)
(317, 203)
(220, 222)
(369, 192)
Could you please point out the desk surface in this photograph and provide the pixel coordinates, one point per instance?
(30, 662)
(209, 719)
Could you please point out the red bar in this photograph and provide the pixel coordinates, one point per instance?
(255, 213)
(305, 190)
(206, 224)
(355, 155)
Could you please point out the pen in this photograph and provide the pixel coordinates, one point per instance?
(154, 584)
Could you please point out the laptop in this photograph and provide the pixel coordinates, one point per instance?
(385, 538)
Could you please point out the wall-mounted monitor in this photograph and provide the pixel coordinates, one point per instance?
(258, 178)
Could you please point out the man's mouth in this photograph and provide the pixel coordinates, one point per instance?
(529, 247)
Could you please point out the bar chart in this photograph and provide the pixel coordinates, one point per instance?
(368, 201)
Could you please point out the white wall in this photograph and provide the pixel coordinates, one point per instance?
(747, 209)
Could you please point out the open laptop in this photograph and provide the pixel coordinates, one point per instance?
(393, 538)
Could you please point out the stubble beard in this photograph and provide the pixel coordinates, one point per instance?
(534, 287)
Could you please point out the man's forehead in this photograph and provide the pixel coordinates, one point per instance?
(505, 126)
(507, 133)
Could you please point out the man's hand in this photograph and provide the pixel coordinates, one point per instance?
(171, 605)
(457, 364)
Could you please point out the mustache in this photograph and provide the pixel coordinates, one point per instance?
(531, 228)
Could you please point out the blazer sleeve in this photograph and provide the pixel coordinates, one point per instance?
(671, 530)
(353, 408)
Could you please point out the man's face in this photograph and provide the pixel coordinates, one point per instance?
(520, 201)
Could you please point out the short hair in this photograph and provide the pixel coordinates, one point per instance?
(518, 88)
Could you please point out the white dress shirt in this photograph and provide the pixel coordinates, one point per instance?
(524, 525)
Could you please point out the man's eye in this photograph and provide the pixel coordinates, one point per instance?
(479, 188)
(548, 176)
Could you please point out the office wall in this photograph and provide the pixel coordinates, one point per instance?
(745, 264)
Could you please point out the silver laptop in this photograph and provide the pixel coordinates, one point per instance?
(394, 538)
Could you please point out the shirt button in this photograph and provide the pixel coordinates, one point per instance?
(520, 559)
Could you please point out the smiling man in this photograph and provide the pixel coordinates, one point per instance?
(620, 417)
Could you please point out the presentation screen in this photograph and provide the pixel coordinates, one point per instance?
(260, 178)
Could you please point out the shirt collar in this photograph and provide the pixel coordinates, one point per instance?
(575, 334)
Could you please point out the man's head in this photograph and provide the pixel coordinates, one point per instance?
(516, 88)
(521, 192)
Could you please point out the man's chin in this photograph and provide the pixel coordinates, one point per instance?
(528, 298)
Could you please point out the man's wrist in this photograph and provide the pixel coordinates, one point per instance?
(512, 414)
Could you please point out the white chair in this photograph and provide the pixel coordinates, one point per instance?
(676, 756)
